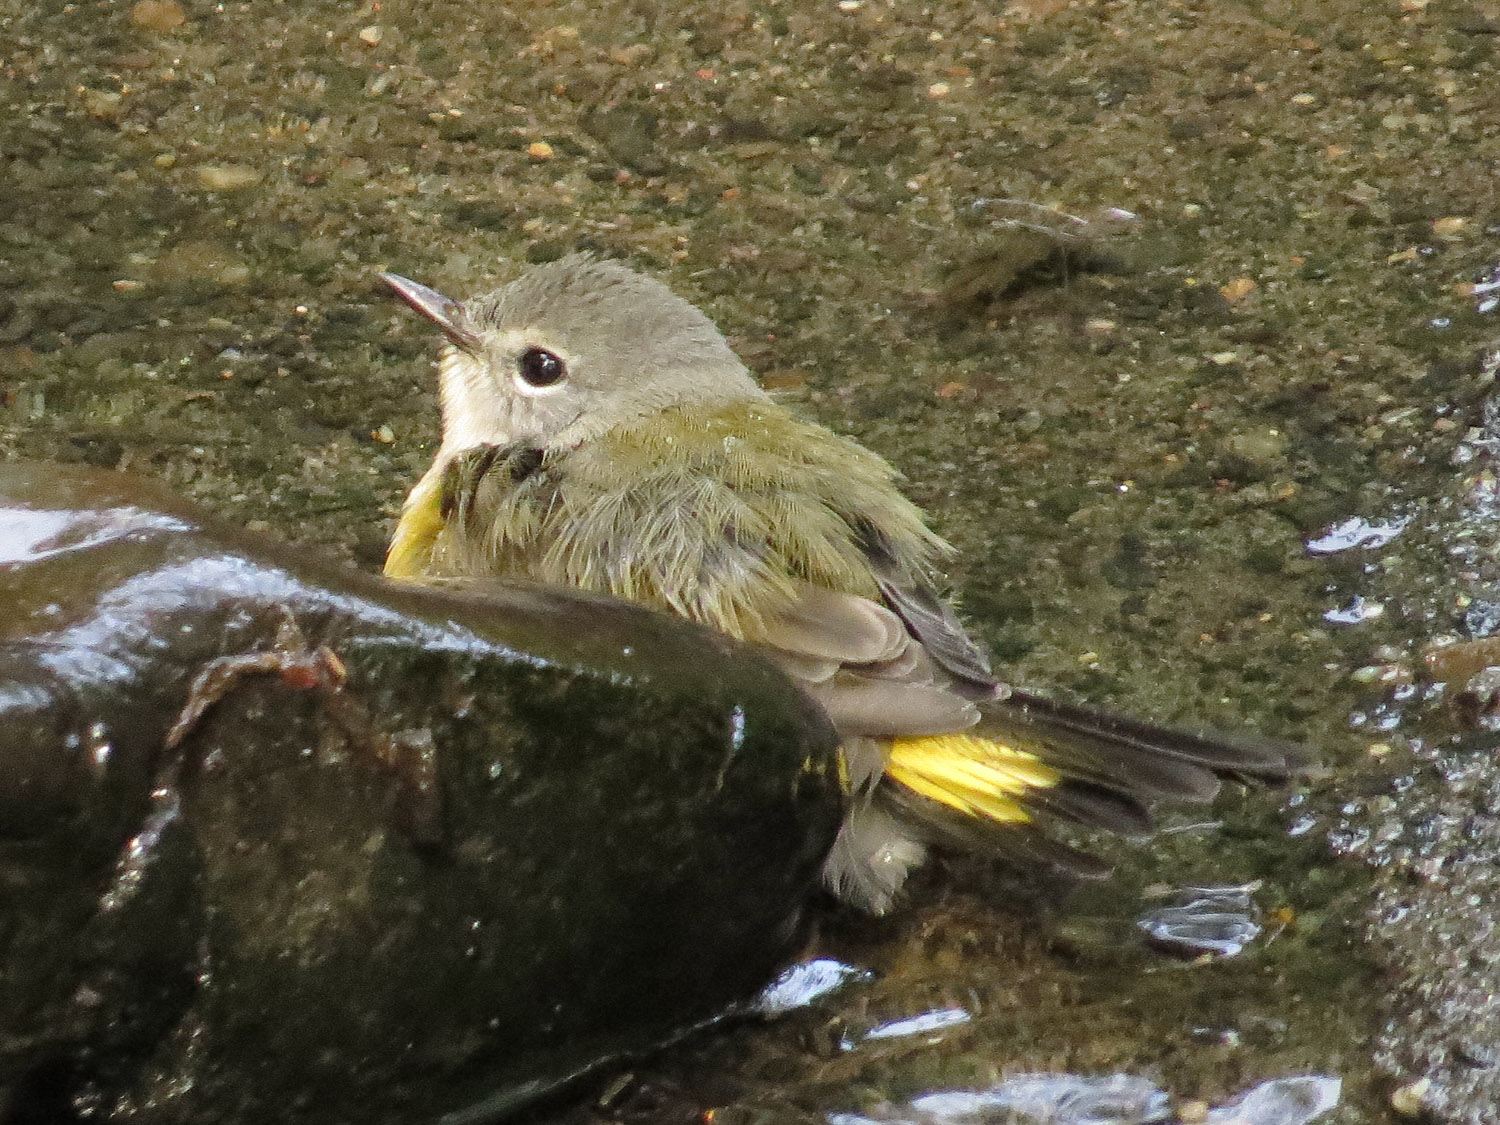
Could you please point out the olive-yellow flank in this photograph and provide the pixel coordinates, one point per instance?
(599, 432)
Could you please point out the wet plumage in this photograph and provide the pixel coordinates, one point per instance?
(598, 432)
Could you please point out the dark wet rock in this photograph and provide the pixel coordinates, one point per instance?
(284, 842)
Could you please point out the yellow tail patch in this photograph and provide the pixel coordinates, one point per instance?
(973, 775)
(417, 530)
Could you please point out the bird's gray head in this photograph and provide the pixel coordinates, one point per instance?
(570, 350)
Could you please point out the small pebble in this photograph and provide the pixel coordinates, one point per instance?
(1238, 289)
(1407, 1100)
(371, 36)
(540, 150)
(189, 263)
(102, 104)
(1260, 445)
(227, 177)
(158, 15)
(631, 55)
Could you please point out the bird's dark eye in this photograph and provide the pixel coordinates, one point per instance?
(541, 368)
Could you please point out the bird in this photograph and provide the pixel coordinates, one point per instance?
(599, 432)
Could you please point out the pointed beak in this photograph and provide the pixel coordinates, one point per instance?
(445, 312)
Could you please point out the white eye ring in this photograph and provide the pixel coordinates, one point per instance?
(539, 371)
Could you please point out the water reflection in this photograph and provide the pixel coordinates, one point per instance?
(803, 984)
(935, 1020)
(1116, 1099)
(1356, 531)
(1215, 920)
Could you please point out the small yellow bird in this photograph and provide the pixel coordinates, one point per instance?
(599, 432)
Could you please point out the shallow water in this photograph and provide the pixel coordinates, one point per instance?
(1131, 443)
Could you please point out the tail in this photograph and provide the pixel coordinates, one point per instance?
(1031, 760)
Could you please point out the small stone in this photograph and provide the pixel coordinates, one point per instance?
(227, 177)
(756, 150)
(195, 262)
(938, 90)
(384, 435)
(102, 104)
(1238, 289)
(1304, 99)
(371, 36)
(1408, 1100)
(1449, 226)
(540, 150)
(554, 39)
(1260, 445)
(631, 55)
(158, 15)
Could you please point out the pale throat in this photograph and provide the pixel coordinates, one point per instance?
(473, 412)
